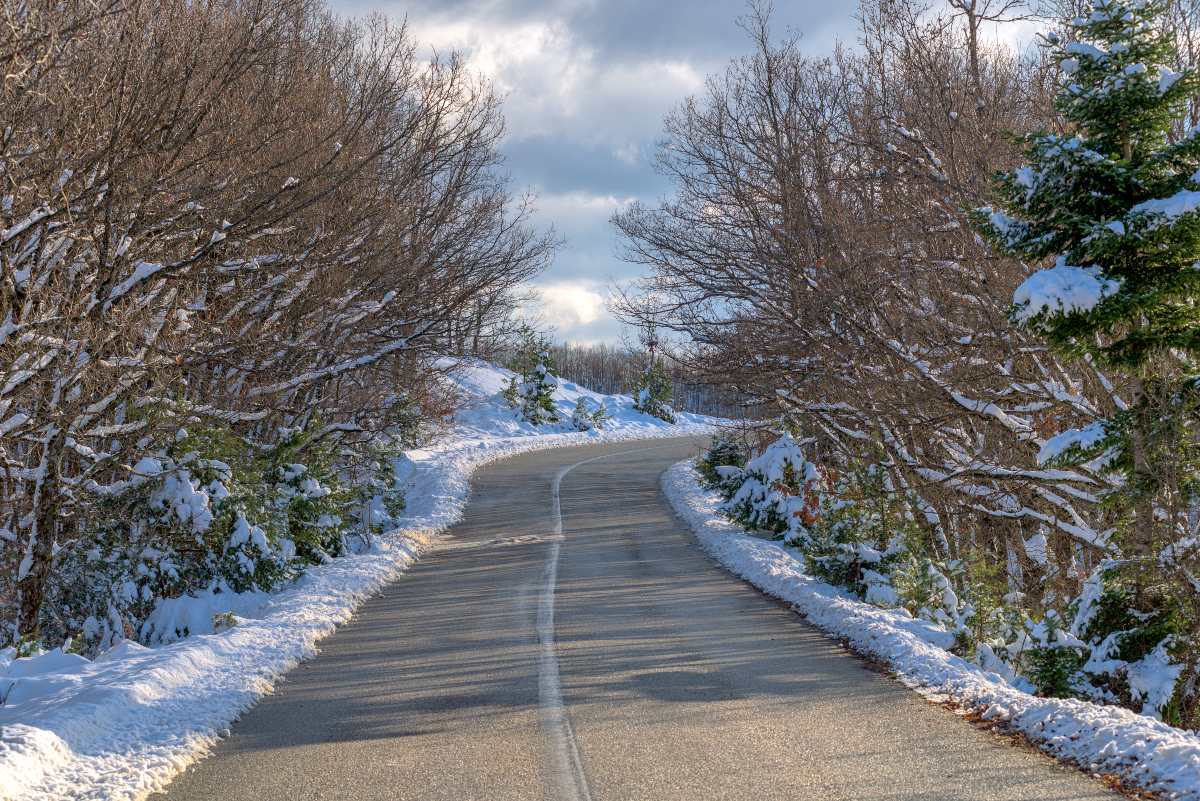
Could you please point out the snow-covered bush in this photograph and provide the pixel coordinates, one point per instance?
(724, 451)
(210, 514)
(777, 490)
(1127, 656)
(585, 418)
(856, 531)
(581, 417)
(600, 416)
(537, 395)
(380, 494)
(1050, 657)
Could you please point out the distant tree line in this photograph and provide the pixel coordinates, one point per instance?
(617, 369)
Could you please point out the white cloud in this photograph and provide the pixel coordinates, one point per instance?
(566, 305)
(586, 86)
(555, 85)
(580, 204)
(561, 87)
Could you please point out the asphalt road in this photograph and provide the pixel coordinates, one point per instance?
(611, 661)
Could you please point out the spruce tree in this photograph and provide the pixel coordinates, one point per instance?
(652, 392)
(600, 416)
(537, 393)
(1112, 206)
(1115, 204)
(582, 418)
(533, 394)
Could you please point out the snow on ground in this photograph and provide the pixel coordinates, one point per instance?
(121, 726)
(1101, 739)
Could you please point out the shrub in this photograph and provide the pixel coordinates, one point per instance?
(533, 392)
(1136, 641)
(585, 418)
(652, 393)
(725, 450)
(210, 513)
(1052, 670)
(600, 416)
(777, 489)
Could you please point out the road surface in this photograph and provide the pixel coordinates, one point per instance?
(598, 655)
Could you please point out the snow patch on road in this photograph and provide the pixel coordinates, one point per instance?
(122, 725)
(1101, 739)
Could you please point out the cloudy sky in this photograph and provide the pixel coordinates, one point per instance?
(587, 85)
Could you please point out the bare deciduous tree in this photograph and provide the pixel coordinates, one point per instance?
(818, 255)
(249, 214)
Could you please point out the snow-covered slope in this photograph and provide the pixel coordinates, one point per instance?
(122, 725)
(485, 417)
(1145, 752)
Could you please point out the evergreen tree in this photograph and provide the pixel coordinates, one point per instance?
(600, 416)
(652, 393)
(582, 418)
(1114, 205)
(537, 394)
(534, 393)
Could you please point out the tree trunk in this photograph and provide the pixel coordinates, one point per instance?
(31, 588)
(1143, 539)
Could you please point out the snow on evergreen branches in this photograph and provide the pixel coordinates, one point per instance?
(652, 392)
(1121, 202)
(531, 391)
(857, 531)
(1061, 289)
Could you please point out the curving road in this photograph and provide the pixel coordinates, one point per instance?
(597, 654)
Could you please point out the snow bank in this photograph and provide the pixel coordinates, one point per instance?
(121, 726)
(1101, 739)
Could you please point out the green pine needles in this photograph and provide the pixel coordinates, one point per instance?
(1113, 208)
(652, 392)
(533, 393)
(1116, 205)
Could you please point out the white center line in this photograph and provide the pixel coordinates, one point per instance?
(568, 775)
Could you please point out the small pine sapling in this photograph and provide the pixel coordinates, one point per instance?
(652, 393)
(726, 451)
(582, 418)
(600, 416)
(532, 389)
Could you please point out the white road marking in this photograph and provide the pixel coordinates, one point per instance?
(568, 775)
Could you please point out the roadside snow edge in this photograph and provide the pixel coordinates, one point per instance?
(1101, 739)
(122, 726)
